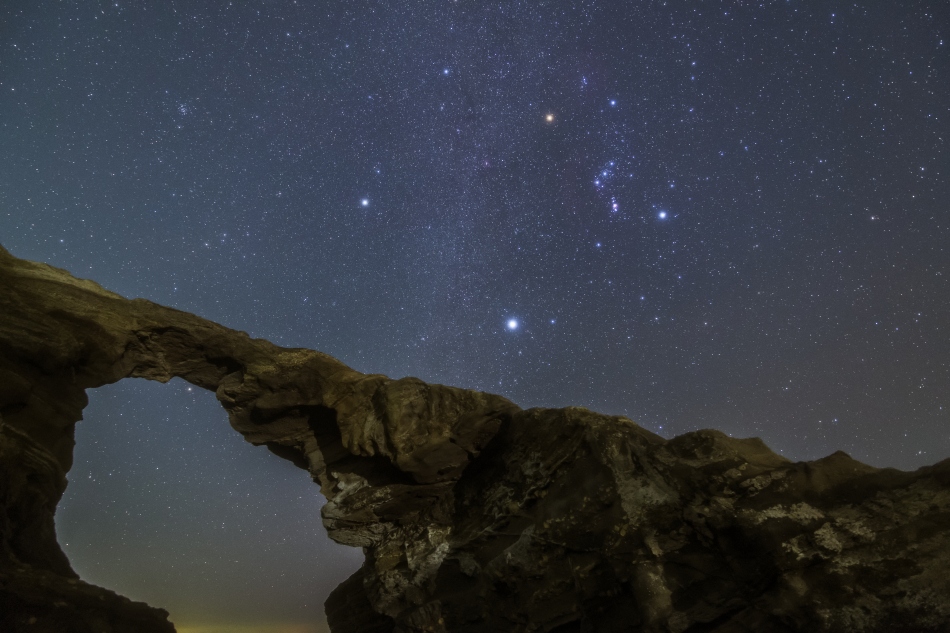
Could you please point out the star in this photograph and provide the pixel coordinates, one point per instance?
(364, 202)
(549, 118)
(512, 325)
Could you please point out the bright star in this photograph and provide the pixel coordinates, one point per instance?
(549, 117)
(364, 202)
(512, 324)
(661, 215)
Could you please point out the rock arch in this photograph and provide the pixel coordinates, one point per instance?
(474, 515)
(367, 440)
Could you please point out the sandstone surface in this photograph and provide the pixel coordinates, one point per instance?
(474, 515)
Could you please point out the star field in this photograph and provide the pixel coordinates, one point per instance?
(695, 214)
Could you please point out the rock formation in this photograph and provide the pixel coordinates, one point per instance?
(474, 515)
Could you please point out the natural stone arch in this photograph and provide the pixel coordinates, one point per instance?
(474, 515)
(62, 335)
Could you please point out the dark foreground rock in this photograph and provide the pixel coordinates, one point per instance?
(474, 515)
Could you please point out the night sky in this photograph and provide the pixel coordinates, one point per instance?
(696, 214)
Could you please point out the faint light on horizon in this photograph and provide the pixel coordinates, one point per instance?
(252, 628)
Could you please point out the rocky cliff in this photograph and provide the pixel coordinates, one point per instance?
(474, 515)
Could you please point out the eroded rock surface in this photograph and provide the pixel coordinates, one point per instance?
(474, 515)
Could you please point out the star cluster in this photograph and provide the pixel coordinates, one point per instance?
(695, 214)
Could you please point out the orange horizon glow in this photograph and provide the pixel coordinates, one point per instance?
(262, 627)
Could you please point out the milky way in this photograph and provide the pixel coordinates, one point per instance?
(695, 214)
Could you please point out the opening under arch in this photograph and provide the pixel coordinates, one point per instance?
(167, 504)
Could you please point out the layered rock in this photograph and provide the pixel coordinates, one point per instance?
(474, 515)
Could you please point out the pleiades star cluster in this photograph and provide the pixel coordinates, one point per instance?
(696, 214)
